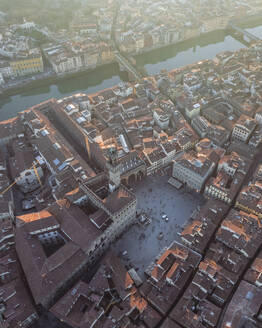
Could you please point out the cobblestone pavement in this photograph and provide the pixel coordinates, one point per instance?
(155, 198)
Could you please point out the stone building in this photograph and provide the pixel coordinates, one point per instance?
(110, 299)
(194, 169)
(56, 249)
(243, 128)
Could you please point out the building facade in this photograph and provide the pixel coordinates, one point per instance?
(30, 64)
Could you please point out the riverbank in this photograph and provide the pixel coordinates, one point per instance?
(178, 42)
(51, 80)
(168, 58)
(250, 21)
(247, 22)
(102, 78)
(191, 51)
(32, 84)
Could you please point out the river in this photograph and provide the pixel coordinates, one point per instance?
(188, 52)
(184, 53)
(257, 31)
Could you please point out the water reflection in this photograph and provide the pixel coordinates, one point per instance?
(184, 53)
(257, 31)
(90, 82)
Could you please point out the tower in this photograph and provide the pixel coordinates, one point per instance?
(113, 169)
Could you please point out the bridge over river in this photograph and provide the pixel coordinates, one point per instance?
(246, 35)
(127, 66)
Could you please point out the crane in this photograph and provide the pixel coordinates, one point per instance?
(16, 180)
(37, 175)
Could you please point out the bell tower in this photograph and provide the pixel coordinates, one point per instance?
(113, 169)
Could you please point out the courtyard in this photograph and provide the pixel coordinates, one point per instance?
(140, 245)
